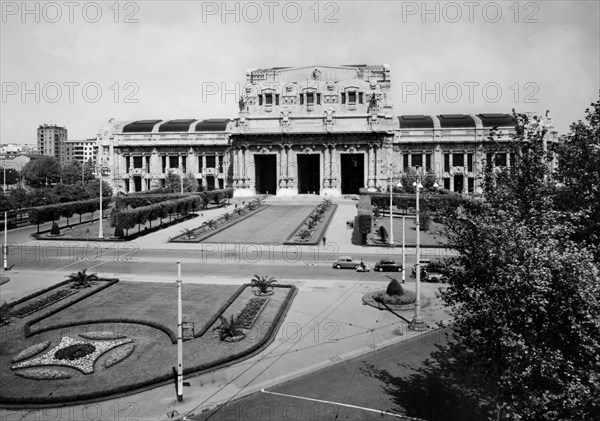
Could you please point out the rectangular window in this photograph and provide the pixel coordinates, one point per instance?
(500, 160)
(183, 162)
(458, 160)
(260, 100)
(210, 161)
(268, 100)
(471, 184)
(276, 99)
(428, 162)
(352, 97)
(446, 163)
(343, 97)
(417, 160)
(489, 159)
(447, 183)
(360, 97)
(220, 160)
(318, 99)
(173, 161)
(137, 162)
(301, 99)
(310, 98)
(199, 163)
(405, 161)
(163, 163)
(470, 162)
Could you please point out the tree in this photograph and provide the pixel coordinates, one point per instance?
(12, 176)
(71, 172)
(228, 329)
(525, 298)
(82, 279)
(42, 170)
(263, 284)
(70, 193)
(93, 189)
(173, 183)
(579, 169)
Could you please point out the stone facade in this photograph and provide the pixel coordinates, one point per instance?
(326, 130)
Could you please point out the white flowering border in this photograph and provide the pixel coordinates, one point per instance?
(119, 355)
(104, 335)
(43, 374)
(84, 364)
(31, 351)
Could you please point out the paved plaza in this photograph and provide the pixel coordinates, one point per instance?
(326, 324)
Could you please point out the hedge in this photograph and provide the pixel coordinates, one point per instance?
(41, 214)
(426, 201)
(128, 219)
(27, 332)
(168, 377)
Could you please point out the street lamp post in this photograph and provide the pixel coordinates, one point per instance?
(403, 249)
(391, 236)
(181, 177)
(417, 322)
(100, 231)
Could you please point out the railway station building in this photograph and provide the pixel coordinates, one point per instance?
(325, 130)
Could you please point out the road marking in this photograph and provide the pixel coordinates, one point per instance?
(66, 266)
(337, 403)
(101, 263)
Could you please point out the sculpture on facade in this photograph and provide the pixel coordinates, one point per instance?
(374, 102)
(243, 103)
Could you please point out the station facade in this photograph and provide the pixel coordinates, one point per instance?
(326, 130)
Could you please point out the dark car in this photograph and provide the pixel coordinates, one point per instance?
(388, 266)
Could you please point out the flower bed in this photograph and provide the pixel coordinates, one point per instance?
(75, 354)
(251, 311)
(107, 335)
(314, 225)
(41, 303)
(218, 224)
(31, 351)
(119, 355)
(43, 374)
(380, 299)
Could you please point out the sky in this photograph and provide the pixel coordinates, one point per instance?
(79, 64)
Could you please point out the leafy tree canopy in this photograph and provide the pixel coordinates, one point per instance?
(42, 170)
(524, 293)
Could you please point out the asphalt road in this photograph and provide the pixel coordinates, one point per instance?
(363, 388)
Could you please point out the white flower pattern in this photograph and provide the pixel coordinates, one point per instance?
(84, 364)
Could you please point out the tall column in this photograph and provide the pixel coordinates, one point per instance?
(144, 172)
(204, 183)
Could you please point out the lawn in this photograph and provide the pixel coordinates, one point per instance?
(154, 354)
(270, 226)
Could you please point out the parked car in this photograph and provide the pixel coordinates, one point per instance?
(387, 265)
(345, 262)
(433, 276)
(424, 264)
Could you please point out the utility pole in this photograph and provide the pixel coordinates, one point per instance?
(100, 231)
(179, 337)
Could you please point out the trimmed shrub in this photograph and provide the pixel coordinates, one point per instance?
(55, 229)
(119, 232)
(394, 288)
(383, 234)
